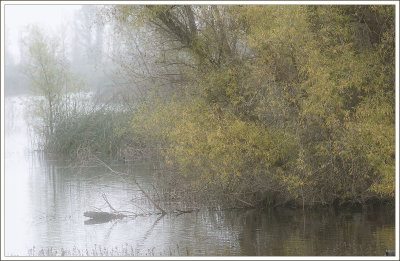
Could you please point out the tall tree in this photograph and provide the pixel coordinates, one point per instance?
(49, 71)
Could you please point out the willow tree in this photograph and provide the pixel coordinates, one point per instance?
(48, 69)
(333, 74)
(293, 100)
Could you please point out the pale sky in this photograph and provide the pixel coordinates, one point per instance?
(47, 17)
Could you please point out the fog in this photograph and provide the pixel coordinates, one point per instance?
(77, 30)
(47, 17)
(109, 58)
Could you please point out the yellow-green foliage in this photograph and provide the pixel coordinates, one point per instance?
(219, 148)
(375, 140)
(212, 147)
(336, 72)
(299, 100)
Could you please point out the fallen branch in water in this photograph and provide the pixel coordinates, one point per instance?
(134, 180)
(100, 217)
(108, 203)
(180, 212)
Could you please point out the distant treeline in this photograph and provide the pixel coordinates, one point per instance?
(253, 105)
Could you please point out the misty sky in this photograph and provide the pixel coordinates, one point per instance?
(47, 17)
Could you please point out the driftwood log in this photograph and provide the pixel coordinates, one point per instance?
(101, 217)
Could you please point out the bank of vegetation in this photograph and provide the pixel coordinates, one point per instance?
(247, 105)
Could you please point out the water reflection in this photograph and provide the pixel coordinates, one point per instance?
(317, 232)
(46, 198)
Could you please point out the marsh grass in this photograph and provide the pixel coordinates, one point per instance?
(97, 250)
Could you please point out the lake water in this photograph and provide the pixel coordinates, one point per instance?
(45, 199)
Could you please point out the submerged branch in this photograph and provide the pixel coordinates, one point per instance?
(134, 180)
(108, 203)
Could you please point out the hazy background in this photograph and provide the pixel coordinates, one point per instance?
(47, 17)
(79, 31)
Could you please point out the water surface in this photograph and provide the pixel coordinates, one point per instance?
(45, 199)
